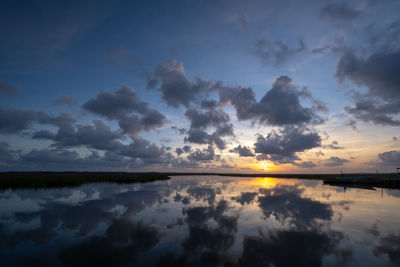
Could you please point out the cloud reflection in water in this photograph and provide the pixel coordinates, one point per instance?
(198, 221)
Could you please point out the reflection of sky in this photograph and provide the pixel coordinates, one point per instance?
(191, 221)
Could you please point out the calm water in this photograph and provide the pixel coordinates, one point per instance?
(201, 220)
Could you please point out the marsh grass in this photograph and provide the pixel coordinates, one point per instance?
(25, 180)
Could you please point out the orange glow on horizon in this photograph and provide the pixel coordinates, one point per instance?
(264, 166)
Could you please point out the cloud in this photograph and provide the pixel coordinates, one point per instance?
(185, 149)
(334, 145)
(287, 205)
(281, 146)
(307, 248)
(179, 151)
(176, 89)
(340, 11)
(99, 136)
(119, 246)
(202, 236)
(120, 105)
(390, 157)
(245, 198)
(61, 160)
(279, 106)
(207, 154)
(243, 151)
(389, 245)
(116, 105)
(199, 121)
(306, 164)
(7, 155)
(179, 130)
(13, 120)
(335, 161)
(379, 73)
(7, 89)
(275, 52)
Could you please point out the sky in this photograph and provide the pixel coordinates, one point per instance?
(200, 86)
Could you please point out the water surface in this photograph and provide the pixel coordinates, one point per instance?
(201, 220)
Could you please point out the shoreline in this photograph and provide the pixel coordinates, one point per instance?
(36, 180)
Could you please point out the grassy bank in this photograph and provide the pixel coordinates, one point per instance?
(21, 180)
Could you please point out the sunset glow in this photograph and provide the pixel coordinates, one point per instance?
(193, 86)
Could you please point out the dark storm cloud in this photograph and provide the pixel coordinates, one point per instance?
(176, 89)
(335, 161)
(275, 52)
(390, 157)
(379, 72)
(68, 100)
(340, 11)
(307, 248)
(281, 146)
(7, 89)
(120, 105)
(243, 151)
(279, 106)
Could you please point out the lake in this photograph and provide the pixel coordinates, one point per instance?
(201, 221)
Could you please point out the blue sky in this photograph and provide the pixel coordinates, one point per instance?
(310, 86)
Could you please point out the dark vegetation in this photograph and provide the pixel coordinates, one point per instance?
(25, 180)
(21, 180)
